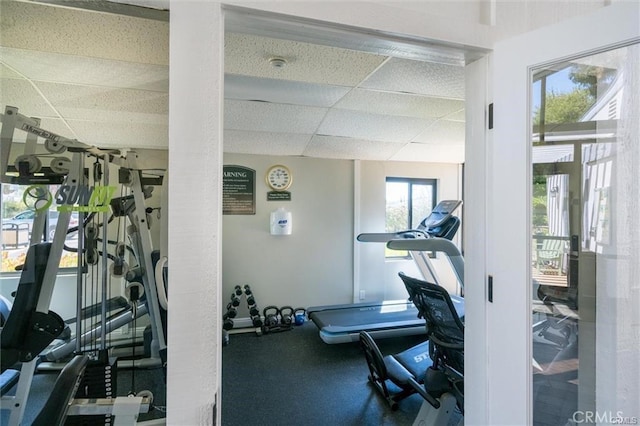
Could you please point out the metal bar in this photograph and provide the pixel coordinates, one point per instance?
(101, 406)
(57, 246)
(105, 258)
(144, 244)
(59, 352)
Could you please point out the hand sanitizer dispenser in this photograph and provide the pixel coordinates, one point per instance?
(281, 222)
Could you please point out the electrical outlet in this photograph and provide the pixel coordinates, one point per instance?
(362, 295)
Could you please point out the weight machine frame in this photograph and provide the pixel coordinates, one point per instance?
(29, 170)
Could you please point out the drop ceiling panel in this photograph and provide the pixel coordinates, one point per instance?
(6, 72)
(401, 104)
(249, 55)
(264, 143)
(121, 134)
(39, 27)
(281, 91)
(362, 125)
(81, 102)
(21, 94)
(457, 116)
(45, 66)
(348, 148)
(268, 117)
(443, 132)
(425, 78)
(430, 153)
(102, 78)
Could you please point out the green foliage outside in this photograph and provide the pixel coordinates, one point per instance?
(565, 107)
(396, 219)
(594, 79)
(570, 107)
(539, 217)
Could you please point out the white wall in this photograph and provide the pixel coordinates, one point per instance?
(63, 300)
(313, 265)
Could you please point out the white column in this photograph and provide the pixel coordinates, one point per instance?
(195, 159)
(475, 241)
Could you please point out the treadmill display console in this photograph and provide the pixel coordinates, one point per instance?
(441, 213)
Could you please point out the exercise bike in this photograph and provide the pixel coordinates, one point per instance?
(434, 369)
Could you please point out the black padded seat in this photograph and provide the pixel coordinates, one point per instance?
(396, 371)
(8, 380)
(54, 411)
(415, 359)
(405, 370)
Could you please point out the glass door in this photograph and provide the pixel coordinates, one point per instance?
(563, 227)
(585, 155)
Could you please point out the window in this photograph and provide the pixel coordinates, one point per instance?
(408, 202)
(17, 225)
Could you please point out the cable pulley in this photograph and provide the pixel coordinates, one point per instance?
(54, 147)
(28, 164)
(60, 165)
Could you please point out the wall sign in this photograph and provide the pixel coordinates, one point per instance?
(278, 196)
(238, 190)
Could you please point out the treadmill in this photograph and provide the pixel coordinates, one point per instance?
(343, 323)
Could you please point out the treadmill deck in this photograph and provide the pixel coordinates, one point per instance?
(343, 323)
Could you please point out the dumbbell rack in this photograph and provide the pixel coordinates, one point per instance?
(232, 311)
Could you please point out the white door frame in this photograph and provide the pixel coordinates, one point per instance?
(498, 362)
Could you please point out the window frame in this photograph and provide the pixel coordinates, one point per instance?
(410, 181)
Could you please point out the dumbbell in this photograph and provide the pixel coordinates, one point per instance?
(232, 312)
(257, 321)
(251, 300)
(253, 310)
(270, 314)
(235, 300)
(228, 322)
(238, 290)
(247, 290)
(286, 315)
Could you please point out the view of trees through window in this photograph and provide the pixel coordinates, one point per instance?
(570, 92)
(408, 202)
(563, 95)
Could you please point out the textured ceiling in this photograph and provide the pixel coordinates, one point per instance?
(102, 78)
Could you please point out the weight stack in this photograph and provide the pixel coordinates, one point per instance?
(99, 381)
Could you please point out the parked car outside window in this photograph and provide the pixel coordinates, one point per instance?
(28, 216)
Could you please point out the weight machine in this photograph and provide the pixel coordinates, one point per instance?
(80, 191)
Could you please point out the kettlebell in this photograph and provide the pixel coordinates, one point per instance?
(271, 316)
(299, 315)
(286, 315)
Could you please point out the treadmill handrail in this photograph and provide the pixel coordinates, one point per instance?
(427, 244)
(383, 237)
(434, 244)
